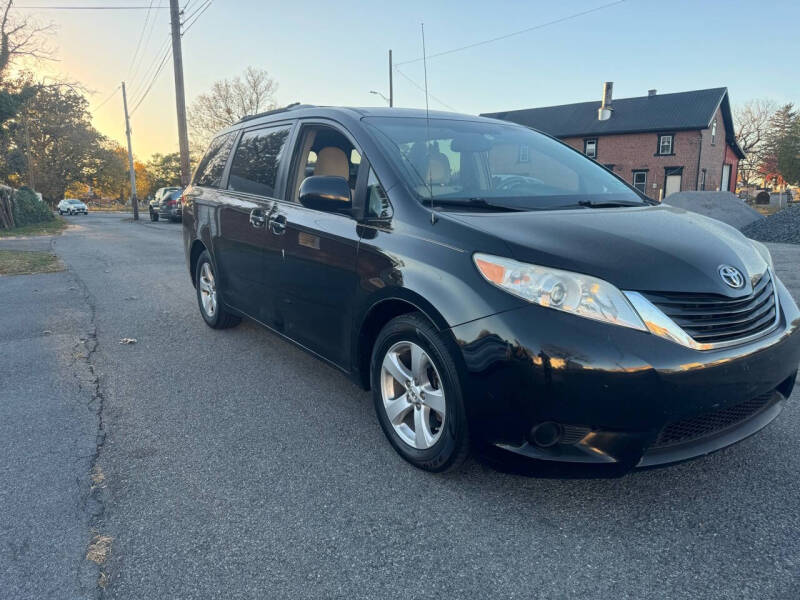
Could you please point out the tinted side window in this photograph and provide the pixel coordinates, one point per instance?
(255, 164)
(209, 171)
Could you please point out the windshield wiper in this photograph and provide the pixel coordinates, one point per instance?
(468, 203)
(608, 203)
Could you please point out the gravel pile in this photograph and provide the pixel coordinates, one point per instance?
(783, 226)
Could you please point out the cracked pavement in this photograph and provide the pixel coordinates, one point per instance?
(237, 466)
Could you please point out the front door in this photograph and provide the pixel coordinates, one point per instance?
(673, 181)
(726, 178)
(319, 273)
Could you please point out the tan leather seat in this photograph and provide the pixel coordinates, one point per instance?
(438, 170)
(332, 161)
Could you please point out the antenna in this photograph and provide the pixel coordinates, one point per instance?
(427, 123)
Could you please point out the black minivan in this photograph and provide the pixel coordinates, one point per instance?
(491, 286)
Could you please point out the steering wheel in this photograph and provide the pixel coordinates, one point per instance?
(513, 183)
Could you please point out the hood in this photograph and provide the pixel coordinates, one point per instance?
(649, 249)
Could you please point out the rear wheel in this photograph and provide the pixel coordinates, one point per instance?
(417, 394)
(214, 313)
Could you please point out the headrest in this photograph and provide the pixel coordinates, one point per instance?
(332, 161)
(438, 170)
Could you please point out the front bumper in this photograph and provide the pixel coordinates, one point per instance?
(615, 391)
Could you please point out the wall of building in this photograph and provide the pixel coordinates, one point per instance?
(732, 160)
(638, 151)
(713, 154)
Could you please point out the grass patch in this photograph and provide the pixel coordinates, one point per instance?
(53, 227)
(24, 262)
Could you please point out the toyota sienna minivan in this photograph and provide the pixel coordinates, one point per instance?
(490, 286)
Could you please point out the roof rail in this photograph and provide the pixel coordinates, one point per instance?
(288, 107)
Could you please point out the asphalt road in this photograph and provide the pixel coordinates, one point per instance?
(237, 466)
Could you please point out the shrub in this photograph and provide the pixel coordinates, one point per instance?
(28, 209)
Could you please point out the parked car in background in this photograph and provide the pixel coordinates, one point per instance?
(155, 203)
(490, 284)
(170, 206)
(71, 206)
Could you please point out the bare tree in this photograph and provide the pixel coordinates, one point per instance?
(229, 100)
(753, 122)
(22, 38)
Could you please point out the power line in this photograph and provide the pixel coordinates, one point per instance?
(150, 68)
(135, 71)
(422, 89)
(197, 12)
(152, 81)
(167, 54)
(65, 7)
(141, 36)
(515, 33)
(187, 17)
(109, 97)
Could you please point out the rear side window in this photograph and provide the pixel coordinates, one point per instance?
(254, 169)
(209, 171)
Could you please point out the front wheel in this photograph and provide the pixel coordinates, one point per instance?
(214, 313)
(417, 394)
(153, 216)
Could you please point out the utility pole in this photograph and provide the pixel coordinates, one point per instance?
(180, 97)
(391, 86)
(134, 200)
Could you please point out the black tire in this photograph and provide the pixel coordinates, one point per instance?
(221, 319)
(153, 216)
(452, 446)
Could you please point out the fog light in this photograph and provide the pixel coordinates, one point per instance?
(546, 434)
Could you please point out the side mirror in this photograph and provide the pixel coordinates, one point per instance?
(326, 193)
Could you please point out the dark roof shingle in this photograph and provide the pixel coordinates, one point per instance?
(661, 112)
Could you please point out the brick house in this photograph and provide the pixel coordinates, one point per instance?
(660, 143)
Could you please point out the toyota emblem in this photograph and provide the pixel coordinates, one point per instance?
(732, 276)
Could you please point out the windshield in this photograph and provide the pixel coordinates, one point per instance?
(493, 164)
(74, 201)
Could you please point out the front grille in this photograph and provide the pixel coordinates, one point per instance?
(713, 318)
(695, 428)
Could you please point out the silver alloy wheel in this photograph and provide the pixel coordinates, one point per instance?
(208, 290)
(413, 396)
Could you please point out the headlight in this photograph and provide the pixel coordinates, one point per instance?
(763, 251)
(581, 295)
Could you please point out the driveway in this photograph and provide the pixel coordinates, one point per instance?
(237, 466)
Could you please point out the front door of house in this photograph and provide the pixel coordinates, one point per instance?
(672, 185)
(726, 178)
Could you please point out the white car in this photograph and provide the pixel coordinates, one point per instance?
(71, 206)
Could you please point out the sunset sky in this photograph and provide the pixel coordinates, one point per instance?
(326, 52)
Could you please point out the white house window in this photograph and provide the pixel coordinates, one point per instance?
(590, 148)
(665, 144)
(524, 153)
(714, 132)
(640, 181)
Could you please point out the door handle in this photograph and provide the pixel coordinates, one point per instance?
(277, 224)
(257, 218)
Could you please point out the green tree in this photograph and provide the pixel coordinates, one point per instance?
(788, 154)
(106, 169)
(164, 170)
(53, 132)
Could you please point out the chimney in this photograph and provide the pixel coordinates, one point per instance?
(651, 93)
(604, 112)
